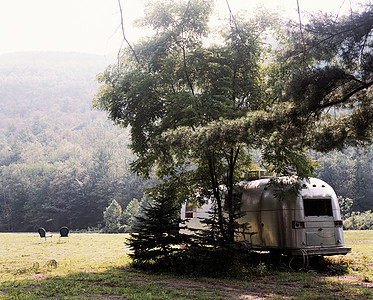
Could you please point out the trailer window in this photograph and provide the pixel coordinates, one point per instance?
(317, 207)
(190, 210)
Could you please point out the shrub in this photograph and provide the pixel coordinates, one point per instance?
(359, 221)
(112, 215)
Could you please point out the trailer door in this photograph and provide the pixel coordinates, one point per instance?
(319, 222)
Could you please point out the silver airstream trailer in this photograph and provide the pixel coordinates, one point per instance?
(308, 224)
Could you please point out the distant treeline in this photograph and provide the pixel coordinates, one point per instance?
(60, 162)
(52, 181)
(350, 173)
(63, 164)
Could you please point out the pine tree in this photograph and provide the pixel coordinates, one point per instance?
(156, 237)
(112, 216)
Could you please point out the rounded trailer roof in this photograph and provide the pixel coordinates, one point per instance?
(313, 187)
(260, 195)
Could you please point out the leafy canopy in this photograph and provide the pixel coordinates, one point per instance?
(182, 81)
(180, 90)
(196, 107)
(325, 74)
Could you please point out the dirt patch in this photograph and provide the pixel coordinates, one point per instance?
(262, 288)
(38, 277)
(350, 279)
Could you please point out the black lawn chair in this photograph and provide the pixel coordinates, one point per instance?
(44, 234)
(64, 232)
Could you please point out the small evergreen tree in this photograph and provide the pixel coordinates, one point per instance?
(112, 216)
(156, 237)
(128, 217)
(210, 255)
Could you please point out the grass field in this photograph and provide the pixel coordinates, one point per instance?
(96, 266)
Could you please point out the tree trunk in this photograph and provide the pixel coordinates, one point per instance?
(215, 185)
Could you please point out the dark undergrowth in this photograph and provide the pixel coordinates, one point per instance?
(224, 263)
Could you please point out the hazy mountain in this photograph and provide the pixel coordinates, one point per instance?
(61, 163)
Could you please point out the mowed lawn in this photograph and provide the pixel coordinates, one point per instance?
(26, 255)
(96, 266)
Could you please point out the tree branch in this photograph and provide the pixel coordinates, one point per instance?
(335, 34)
(301, 32)
(349, 95)
(232, 18)
(182, 45)
(124, 35)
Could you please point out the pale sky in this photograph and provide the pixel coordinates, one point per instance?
(92, 26)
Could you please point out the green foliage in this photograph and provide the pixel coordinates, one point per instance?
(132, 210)
(328, 80)
(231, 260)
(345, 205)
(180, 84)
(178, 93)
(60, 162)
(196, 109)
(112, 216)
(281, 157)
(209, 254)
(350, 172)
(359, 221)
(156, 237)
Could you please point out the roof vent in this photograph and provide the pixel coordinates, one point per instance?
(256, 174)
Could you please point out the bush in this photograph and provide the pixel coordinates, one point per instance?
(112, 215)
(129, 215)
(229, 261)
(359, 221)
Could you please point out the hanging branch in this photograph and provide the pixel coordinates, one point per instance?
(339, 10)
(231, 17)
(233, 20)
(301, 33)
(347, 96)
(184, 50)
(124, 35)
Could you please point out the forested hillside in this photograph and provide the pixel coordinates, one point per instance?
(61, 163)
(350, 173)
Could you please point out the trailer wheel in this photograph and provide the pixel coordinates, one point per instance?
(299, 262)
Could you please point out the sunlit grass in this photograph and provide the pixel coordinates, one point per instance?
(360, 260)
(96, 266)
(27, 256)
(358, 235)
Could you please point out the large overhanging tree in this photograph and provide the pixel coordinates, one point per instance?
(177, 82)
(319, 90)
(195, 105)
(320, 85)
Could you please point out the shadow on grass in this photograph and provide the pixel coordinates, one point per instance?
(129, 283)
